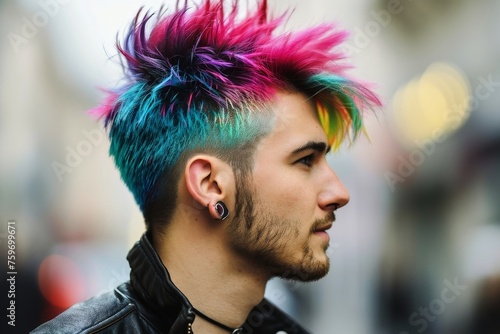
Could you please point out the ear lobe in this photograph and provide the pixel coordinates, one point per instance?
(218, 210)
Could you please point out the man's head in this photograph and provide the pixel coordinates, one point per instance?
(288, 201)
(203, 82)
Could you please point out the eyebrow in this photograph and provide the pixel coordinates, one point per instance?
(318, 146)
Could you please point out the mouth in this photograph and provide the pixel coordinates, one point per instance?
(321, 232)
(322, 225)
(323, 228)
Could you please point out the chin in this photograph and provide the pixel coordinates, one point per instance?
(318, 271)
(311, 269)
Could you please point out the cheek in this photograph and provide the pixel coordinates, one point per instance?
(289, 203)
(285, 191)
(281, 190)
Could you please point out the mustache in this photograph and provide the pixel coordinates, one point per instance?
(319, 223)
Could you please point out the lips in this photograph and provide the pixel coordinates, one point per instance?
(322, 228)
(320, 232)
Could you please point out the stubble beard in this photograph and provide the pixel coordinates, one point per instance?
(266, 240)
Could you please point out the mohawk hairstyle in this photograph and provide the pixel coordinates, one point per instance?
(199, 80)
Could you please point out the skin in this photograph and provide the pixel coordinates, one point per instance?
(292, 193)
(276, 215)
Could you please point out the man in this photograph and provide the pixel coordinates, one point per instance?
(221, 133)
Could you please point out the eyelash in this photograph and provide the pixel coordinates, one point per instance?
(307, 160)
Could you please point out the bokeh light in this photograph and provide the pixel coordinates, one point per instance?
(61, 281)
(435, 103)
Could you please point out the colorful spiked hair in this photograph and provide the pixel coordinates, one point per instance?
(199, 79)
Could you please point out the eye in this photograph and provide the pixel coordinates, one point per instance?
(307, 160)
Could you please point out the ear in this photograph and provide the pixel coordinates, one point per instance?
(208, 181)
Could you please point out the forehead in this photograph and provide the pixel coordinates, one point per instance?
(295, 120)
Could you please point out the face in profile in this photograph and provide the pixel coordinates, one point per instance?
(286, 204)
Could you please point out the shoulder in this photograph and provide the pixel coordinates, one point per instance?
(111, 312)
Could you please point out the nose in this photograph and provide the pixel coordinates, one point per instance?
(333, 194)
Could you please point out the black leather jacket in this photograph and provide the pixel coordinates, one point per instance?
(150, 303)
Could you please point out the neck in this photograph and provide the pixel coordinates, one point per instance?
(216, 282)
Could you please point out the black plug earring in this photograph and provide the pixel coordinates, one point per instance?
(222, 210)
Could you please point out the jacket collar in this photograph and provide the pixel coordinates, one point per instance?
(151, 280)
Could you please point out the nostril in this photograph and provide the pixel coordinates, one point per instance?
(332, 207)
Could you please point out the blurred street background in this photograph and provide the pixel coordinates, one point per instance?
(417, 250)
